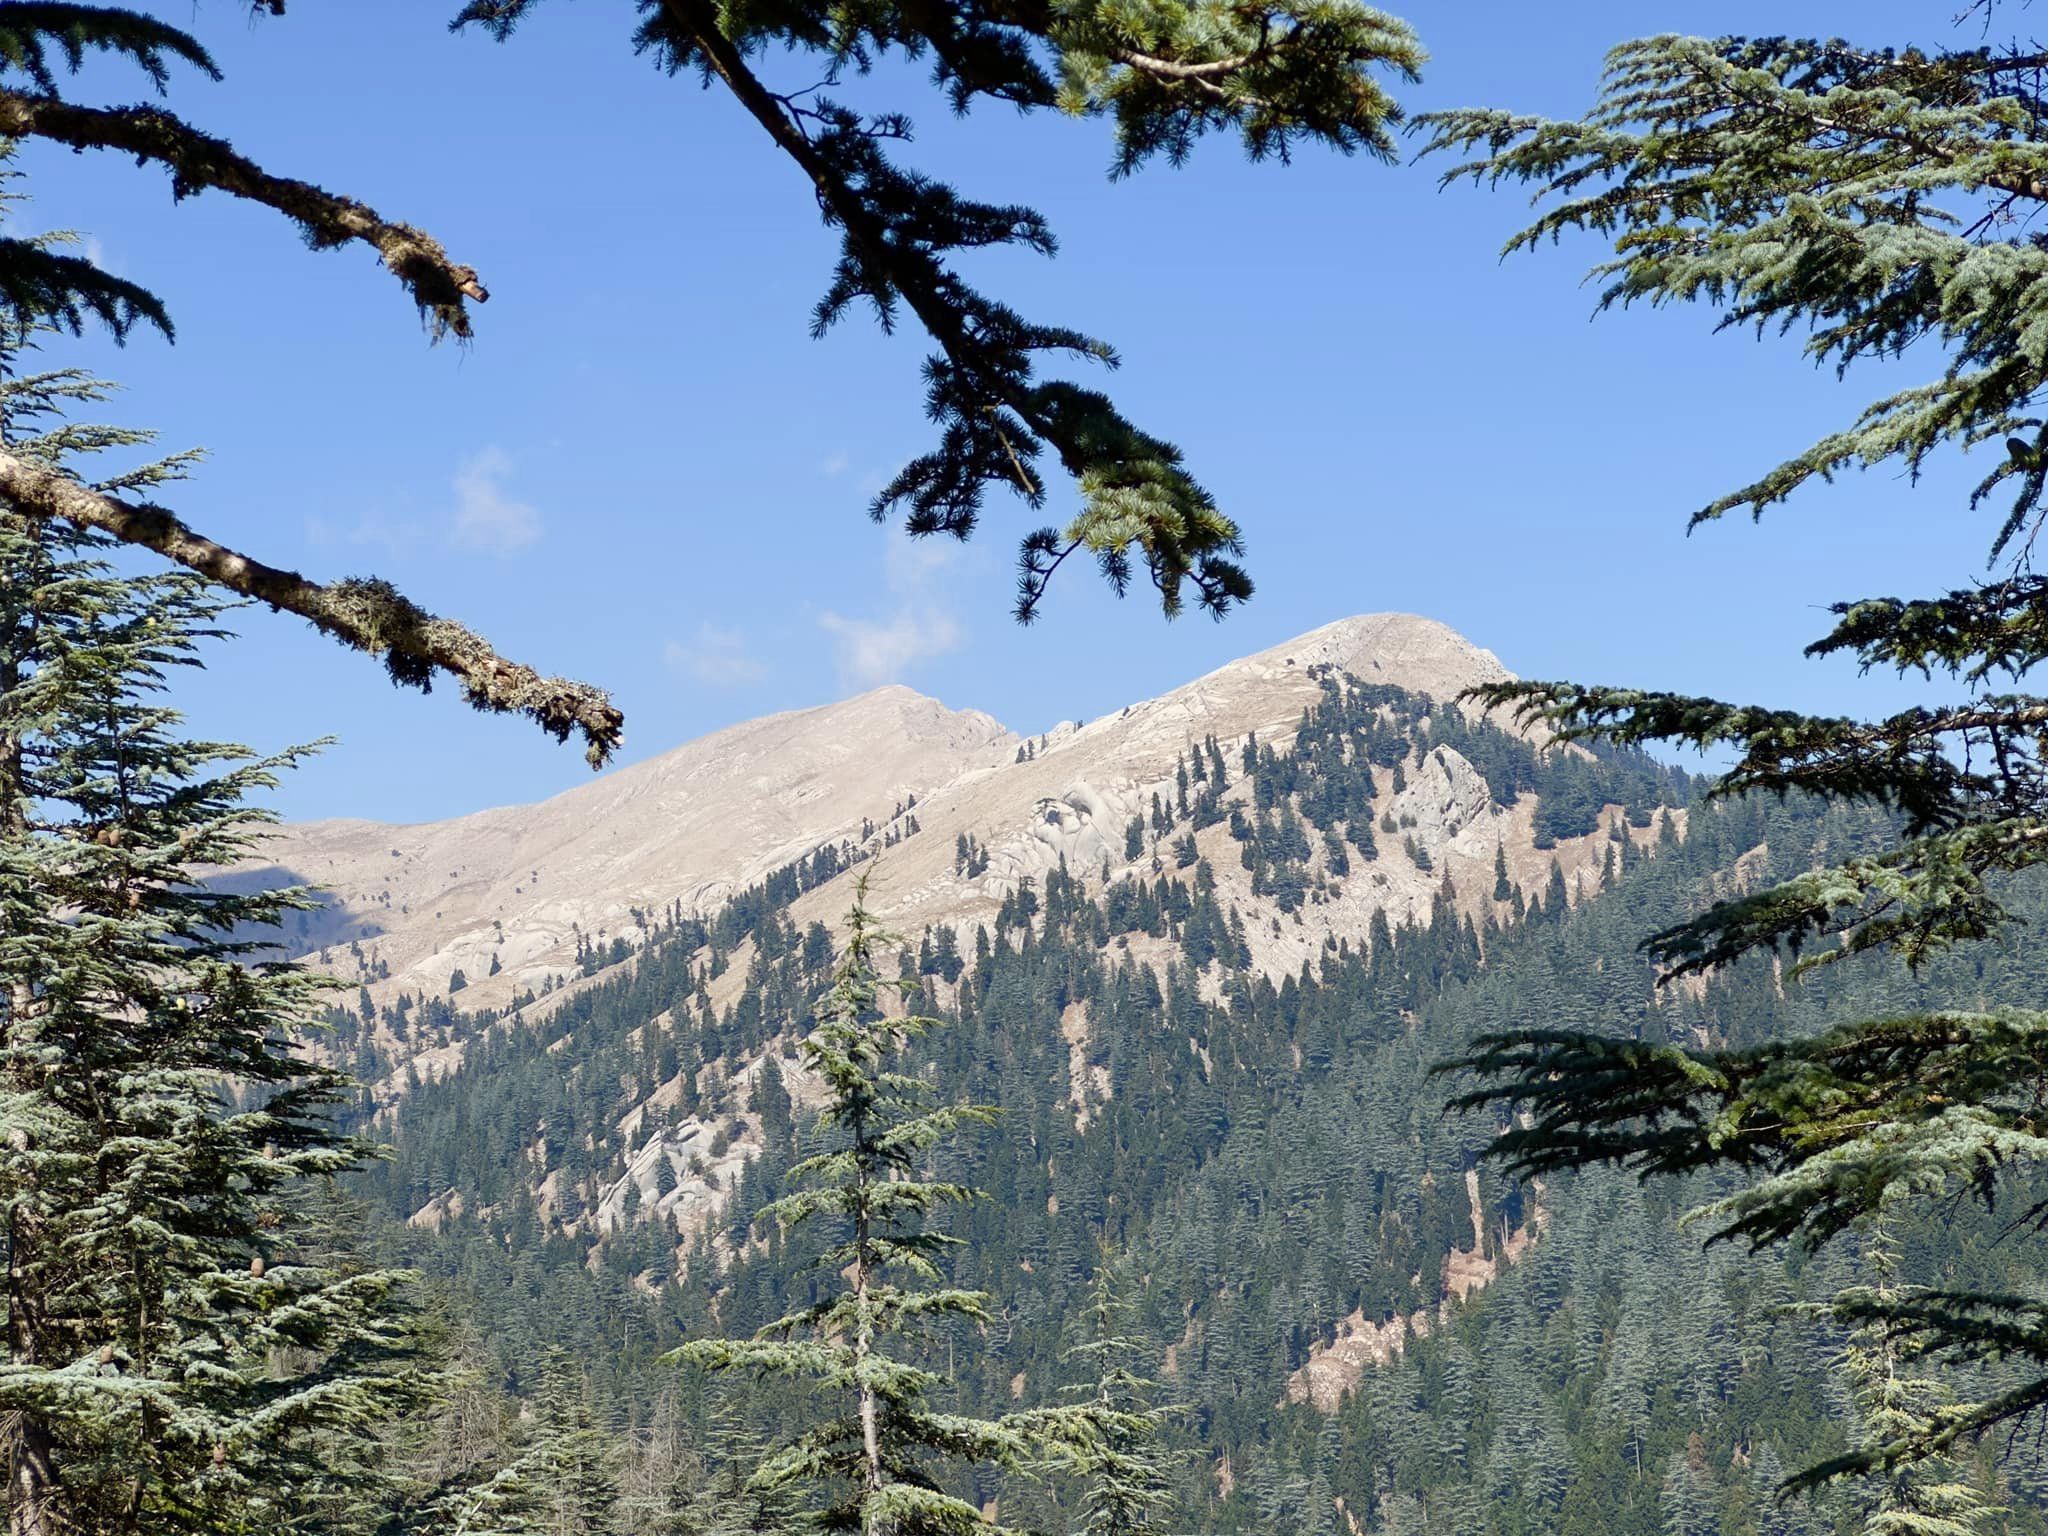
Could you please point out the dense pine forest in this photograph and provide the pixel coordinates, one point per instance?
(1358, 1318)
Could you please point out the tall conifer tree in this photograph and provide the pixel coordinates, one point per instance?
(180, 1352)
(1924, 1497)
(1866, 199)
(565, 1479)
(1120, 1467)
(876, 1463)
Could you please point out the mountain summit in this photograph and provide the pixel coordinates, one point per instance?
(511, 900)
(508, 897)
(637, 958)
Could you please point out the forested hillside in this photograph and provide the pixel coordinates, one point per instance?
(1368, 1329)
(1358, 1092)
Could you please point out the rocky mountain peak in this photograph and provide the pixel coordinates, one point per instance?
(508, 898)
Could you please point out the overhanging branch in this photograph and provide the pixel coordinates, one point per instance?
(370, 615)
(198, 162)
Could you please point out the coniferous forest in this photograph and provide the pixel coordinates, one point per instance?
(1361, 1092)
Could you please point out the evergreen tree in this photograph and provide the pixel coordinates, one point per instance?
(563, 1480)
(872, 1465)
(1923, 1496)
(1867, 198)
(1254, 1141)
(734, 1501)
(574, 1466)
(1123, 1475)
(185, 1350)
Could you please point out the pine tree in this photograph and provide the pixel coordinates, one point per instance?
(873, 1463)
(458, 1447)
(564, 1480)
(1867, 199)
(734, 1501)
(1915, 1496)
(185, 1350)
(1687, 1500)
(1123, 1475)
(575, 1463)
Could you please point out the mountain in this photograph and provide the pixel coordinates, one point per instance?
(1205, 954)
(1310, 791)
(511, 897)
(691, 827)
(1313, 800)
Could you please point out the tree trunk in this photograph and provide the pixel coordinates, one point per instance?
(863, 1340)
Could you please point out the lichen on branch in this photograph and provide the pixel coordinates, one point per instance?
(370, 615)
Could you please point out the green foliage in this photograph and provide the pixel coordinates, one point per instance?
(1873, 196)
(1835, 1121)
(188, 1348)
(868, 1466)
(1869, 199)
(1123, 1479)
(1919, 1496)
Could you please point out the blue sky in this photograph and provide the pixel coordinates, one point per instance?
(645, 473)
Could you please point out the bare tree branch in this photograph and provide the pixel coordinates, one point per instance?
(370, 615)
(197, 162)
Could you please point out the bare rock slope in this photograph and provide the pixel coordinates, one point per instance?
(507, 896)
(407, 906)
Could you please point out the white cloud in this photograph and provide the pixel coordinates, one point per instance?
(913, 563)
(835, 464)
(717, 658)
(917, 627)
(485, 517)
(876, 651)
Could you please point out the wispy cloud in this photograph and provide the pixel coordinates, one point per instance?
(917, 626)
(876, 651)
(715, 657)
(485, 517)
(392, 537)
